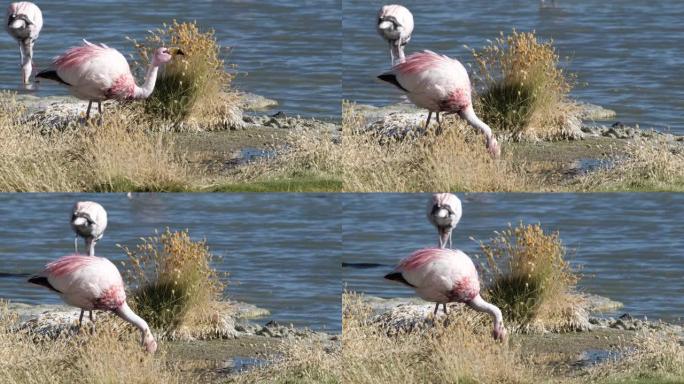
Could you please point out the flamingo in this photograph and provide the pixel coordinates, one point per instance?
(395, 24)
(439, 84)
(444, 212)
(443, 276)
(90, 282)
(88, 220)
(97, 73)
(24, 22)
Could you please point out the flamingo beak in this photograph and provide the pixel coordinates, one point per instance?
(176, 52)
(385, 25)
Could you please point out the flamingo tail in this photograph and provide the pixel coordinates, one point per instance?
(396, 276)
(51, 74)
(42, 280)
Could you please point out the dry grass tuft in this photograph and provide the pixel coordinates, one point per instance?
(525, 91)
(118, 155)
(455, 160)
(647, 165)
(112, 355)
(305, 155)
(195, 85)
(451, 353)
(173, 282)
(530, 280)
(655, 358)
(301, 362)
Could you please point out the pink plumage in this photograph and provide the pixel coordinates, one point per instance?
(90, 282)
(444, 276)
(97, 73)
(439, 84)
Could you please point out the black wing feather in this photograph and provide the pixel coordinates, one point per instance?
(51, 74)
(392, 79)
(396, 276)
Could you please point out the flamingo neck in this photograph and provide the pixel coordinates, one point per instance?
(480, 305)
(126, 313)
(469, 115)
(397, 52)
(150, 80)
(90, 245)
(26, 48)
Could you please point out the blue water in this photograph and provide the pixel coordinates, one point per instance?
(280, 252)
(628, 55)
(286, 50)
(628, 246)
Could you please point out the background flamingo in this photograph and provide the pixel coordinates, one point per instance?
(395, 24)
(439, 84)
(444, 212)
(92, 283)
(88, 220)
(98, 72)
(24, 22)
(445, 276)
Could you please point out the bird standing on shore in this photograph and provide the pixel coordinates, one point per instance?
(444, 212)
(24, 22)
(444, 276)
(97, 73)
(395, 24)
(89, 221)
(92, 283)
(439, 84)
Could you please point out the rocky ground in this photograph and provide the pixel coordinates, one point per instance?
(239, 338)
(586, 345)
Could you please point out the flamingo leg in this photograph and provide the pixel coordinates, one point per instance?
(439, 125)
(80, 320)
(436, 309)
(90, 314)
(445, 309)
(427, 123)
(90, 104)
(99, 107)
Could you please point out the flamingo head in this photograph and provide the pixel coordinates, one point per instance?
(493, 147)
(499, 332)
(148, 342)
(164, 55)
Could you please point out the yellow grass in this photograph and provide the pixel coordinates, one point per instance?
(529, 278)
(455, 160)
(112, 355)
(173, 281)
(525, 90)
(192, 86)
(460, 352)
(648, 165)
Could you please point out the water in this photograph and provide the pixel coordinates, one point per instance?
(628, 246)
(284, 49)
(627, 52)
(281, 253)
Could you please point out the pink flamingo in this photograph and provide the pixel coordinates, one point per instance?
(444, 276)
(92, 283)
(88, 220)
(97, 73)
(395, 24)
(439, 84)
(444, 212)
(24, 22)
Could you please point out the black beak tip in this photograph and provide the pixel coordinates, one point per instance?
(180, 53)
